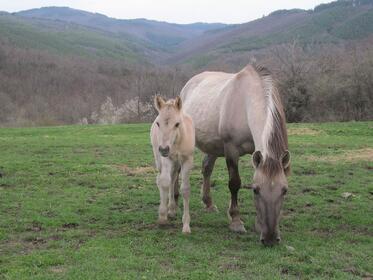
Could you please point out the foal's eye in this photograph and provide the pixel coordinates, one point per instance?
(284, 190)
(177, 124)
(256, 190)
(158, 124)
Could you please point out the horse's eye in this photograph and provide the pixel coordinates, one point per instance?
(158, 124)
(256, 190)
(284, 190)
(177, 124)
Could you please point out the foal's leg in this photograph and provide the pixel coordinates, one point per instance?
(232, 156)
(164, 184)
(207, 167)
(172, 206)
(186, 167)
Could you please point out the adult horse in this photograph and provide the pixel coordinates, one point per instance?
(238, 114)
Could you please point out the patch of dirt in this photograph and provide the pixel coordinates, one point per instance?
(356, 272)
(35, 240)
(231, 264)
(306, 172)
(129, 171)
(57, 269)
(284, 270)
(70, 225)
(5, 186)
(347, 156)
(303, 131)
(332, 187)
(35, 227)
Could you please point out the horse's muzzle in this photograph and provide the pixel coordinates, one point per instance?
(269, 242)
(164, 151)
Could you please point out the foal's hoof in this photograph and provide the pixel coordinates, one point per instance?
(186, 229)
(211, 209)
(237, 227)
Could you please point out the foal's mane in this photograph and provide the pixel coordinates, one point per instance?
(274, 137)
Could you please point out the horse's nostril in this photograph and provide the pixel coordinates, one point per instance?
(164, 151)
(278, 239)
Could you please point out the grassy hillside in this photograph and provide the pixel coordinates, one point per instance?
(66, 38)
(80, 202)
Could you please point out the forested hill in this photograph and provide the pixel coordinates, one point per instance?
(65, 30)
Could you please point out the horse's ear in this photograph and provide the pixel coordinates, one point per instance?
(158, 102)
(285, 160)
(178, 103)
(257, 158)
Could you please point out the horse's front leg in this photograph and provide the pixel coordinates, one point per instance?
(164, 184)
(232, 156)
(186, 167)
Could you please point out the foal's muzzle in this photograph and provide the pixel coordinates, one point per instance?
(164, 151)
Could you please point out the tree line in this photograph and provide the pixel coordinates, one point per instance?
(317, 83)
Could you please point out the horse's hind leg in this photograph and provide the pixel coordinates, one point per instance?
(232, 157)
(173, 191)
(207, 167)
(185, 190)
(177, 189)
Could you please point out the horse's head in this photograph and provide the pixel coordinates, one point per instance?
(169, 122)
(270, 187)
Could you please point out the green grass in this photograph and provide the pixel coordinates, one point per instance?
(74, 204)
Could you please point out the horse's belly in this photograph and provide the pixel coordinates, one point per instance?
(209, 145)
(206, 122)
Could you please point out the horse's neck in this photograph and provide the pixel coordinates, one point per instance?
(258, 121)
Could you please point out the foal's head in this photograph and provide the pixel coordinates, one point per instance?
(169, 122)
(270, 187)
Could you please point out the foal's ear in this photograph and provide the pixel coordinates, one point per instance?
(285, 160)
(178, 103)
(257, 158)
(158, 102)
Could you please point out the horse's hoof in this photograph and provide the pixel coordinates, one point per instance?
(237, 227)
(211, 209)
(162, 221)
(171, 215)
(186, 229)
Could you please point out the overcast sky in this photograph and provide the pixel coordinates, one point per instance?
(178, 11)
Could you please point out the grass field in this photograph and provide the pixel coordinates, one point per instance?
(80, 202)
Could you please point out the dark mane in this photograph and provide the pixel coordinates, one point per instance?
(278, 139)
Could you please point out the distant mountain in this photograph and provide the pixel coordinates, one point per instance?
(327, 23)
(68, 31)
(158, 34)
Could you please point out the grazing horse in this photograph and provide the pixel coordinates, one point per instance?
(173, 141)
(238, 114)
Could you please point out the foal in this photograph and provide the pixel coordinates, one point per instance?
(172, 137)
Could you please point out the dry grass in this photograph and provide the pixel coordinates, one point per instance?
(133, 171)
(303, 131)
(347, 156)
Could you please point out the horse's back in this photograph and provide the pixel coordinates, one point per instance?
(218, 104)
(202, 97)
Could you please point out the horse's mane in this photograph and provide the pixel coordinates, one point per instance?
(275, 139)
